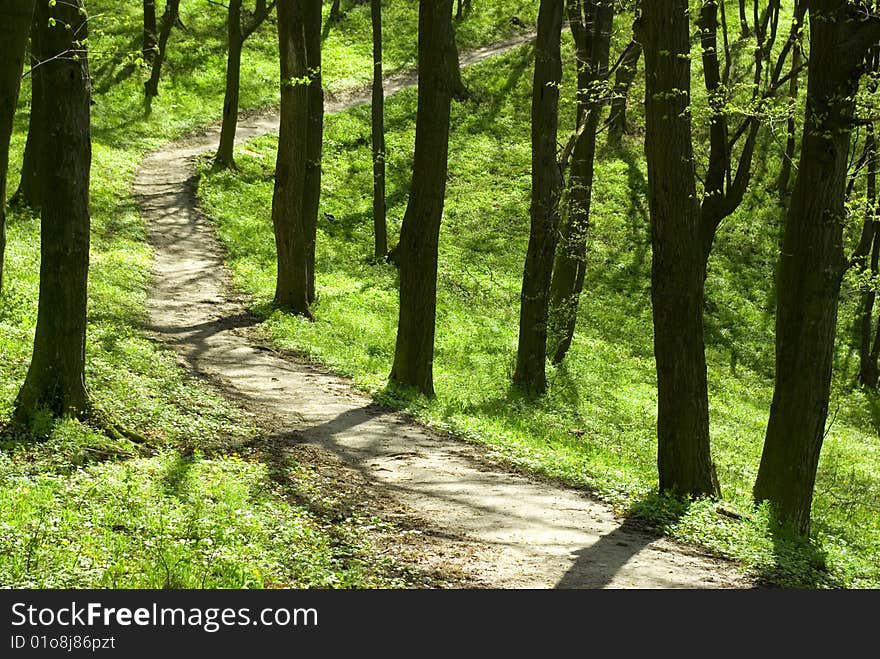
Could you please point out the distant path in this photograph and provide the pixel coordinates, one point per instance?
(502, 529)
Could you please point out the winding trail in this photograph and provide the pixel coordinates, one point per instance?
(502, 529)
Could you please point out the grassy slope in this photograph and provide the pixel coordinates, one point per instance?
(201, 507)
(595, 428)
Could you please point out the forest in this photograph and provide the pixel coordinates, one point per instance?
(439, 294)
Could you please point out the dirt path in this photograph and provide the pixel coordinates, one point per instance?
(498, 529)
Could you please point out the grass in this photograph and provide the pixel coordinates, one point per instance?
(595, 426)
(207, 502)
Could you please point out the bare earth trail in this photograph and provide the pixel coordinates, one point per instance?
(496, 528)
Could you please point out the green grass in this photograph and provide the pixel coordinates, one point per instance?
(206, 502)
(595, 426)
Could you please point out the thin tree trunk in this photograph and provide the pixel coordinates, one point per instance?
(150, 31)
(15, 23)
(291, 289)
(237, 33)
(530, 373)
(225, 157)
(420, 234)
(743, 19)
(571, 253)
(55, 380)
(169, 20)
(315, 136)
(812, 263)
(29, 186)
(380, 226)
(678, 271)
(863, 257)
(793, 92)
(335, 11)
(623, 80)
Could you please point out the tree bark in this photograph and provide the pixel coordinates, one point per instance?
(868, 367)
(623, 80)
(292, 285)
(315, 136)
(29, 186)
(593, 45)
(678, 269)
(380, 225)
(420, 233)
(169, 20)
(150, 31)
(237, 33)
(55, 380)
(793, 92)
(15, 22)
(225, 157)
(812, 263)
(530, 373)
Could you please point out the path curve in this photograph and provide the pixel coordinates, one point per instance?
(520, 532)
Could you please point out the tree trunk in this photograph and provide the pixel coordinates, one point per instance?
(678, 269)
(150, 31)
(225, 157)
(530, 372)
(29, 186)
(335, 11)
(571, 253)
(812, 263)
(380, 225)
(55, 380)
(169, 20)
(793, 92)
(623, 80)
(315, 136)
(292, 285)
(420, 233)
(15, 23)
(743, 19)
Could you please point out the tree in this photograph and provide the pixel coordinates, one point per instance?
(623, 80)
(866, 259)
(678, 269)
(28, 192)
(297, 171)
(417, 252)
(812, 262)
(15, 23)
(55, 380)
(238, 32)
(380, 228)
(683, 222)
(462, 7)
(797, 54)
(150, 31)
(530, 373)
(169, 20)
(591, 23)
(314, 136)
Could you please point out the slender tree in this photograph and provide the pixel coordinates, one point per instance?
(238, 31)
(55, 380)
(684, 224)
(314, 135)
(462, 7)
(15, 23)
(623, 80)
(812, 261)
(865, 259)
(417, 251)
(591, 22)
(169, 19)
(380, 227)
(29, 186)
(530, 373)
(150, 31)
(678, 270)
(797, 53)
(298, 171)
